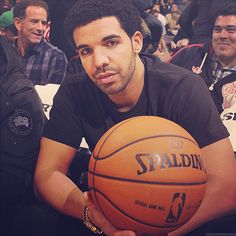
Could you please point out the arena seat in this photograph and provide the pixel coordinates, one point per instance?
(228, 117)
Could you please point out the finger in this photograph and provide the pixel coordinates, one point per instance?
(88, 200)
(86, 197)
(124, 233)
(103, 223)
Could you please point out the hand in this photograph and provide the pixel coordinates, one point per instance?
(173, 45)
(100, 221)
(182, 43)
(2, 33)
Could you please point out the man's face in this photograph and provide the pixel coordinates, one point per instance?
(107, 54)
(32, 27)
(224, 40)
(174, 8)
(156, 7)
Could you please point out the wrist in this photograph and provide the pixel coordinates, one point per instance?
(88, 223)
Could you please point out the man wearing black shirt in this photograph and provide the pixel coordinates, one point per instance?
(119, 83)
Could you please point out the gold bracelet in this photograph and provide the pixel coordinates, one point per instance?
(88, 223)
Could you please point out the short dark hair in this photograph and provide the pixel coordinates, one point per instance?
(86, 11)
(20, 8)
(227, 10)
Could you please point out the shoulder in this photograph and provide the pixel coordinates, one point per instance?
(25, 105)
(191, 55)
(22, 91)
(53, 50)
(190, 49)
(166, 80)
(77, 85)
(162, 72)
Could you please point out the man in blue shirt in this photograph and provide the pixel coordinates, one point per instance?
(44, 63)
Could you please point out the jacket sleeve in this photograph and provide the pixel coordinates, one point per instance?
(187, 17)
(21, 129)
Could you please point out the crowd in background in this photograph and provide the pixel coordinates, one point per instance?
(167, 13)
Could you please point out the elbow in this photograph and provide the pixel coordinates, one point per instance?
(234, 201)
(36, 186)
(229, 200)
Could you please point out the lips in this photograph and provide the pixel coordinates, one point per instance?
(223, 43)
(105, 78)
(38, 35)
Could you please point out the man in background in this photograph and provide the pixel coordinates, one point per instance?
(44, 63)
(216, 63)
(197, 20)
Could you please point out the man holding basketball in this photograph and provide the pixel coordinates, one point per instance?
(120, 83)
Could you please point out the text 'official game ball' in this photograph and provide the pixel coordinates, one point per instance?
(146, 175)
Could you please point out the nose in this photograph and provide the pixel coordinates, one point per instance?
(41, 26)
(100, 59)
(224, 33)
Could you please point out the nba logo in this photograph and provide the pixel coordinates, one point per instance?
(176, 208)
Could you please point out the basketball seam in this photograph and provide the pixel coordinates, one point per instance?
(97, 158)
(95, 162)
(131, 217)
(147, 182)
(139, 140)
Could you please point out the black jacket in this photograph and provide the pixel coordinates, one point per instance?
(202, 12)
(197, 55)
(21, 117)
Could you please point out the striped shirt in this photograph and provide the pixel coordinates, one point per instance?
(219, 71)
(45, 64)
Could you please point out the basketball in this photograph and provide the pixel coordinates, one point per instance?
(146, 175)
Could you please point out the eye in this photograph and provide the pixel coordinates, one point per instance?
(44, 23)
(217, 29)
(111, 43)
(34, 21)
(85, 51)
(231, 29)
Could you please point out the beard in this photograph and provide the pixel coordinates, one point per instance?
(122, 82)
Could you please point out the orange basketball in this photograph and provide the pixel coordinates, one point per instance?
(146, 175)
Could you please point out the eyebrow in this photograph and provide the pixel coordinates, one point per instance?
(112, 36)
(225, 26)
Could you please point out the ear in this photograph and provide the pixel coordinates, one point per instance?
(17, 23)
(137, 40)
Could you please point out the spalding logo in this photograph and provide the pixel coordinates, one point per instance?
(149, 162)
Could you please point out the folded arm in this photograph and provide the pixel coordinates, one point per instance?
(53, 186)
(51, 182)
(220, 196)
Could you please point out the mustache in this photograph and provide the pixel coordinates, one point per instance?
(104, 69)
(224, 40)
(39, 32)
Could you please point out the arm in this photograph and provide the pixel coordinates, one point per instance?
(187, 17)
(178, 58)
(220, 196)
(52, 184)
(21, 125)
(58, 68)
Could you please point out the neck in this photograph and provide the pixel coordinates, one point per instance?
(22, 46)
(227, 62)
(127, 98)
